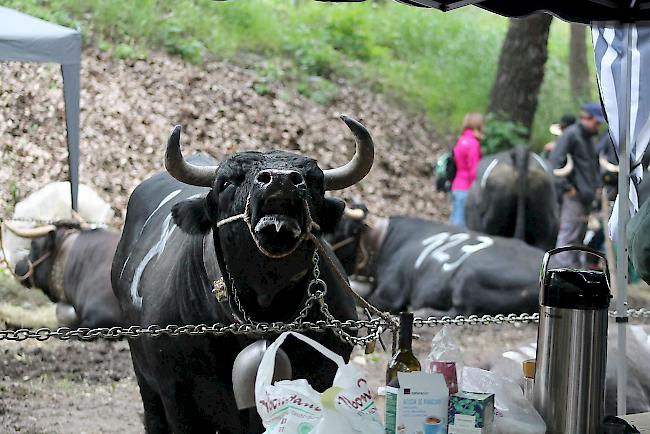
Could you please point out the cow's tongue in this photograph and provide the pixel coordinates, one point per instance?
(278, 222)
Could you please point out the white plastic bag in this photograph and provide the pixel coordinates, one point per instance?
(513, 414)
(294, 407)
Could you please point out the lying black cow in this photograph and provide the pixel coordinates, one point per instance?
(248, 218)
(514, 196)
(72, 267)
(423, 264)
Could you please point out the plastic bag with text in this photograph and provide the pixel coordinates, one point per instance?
(294, 407)
(513, 414)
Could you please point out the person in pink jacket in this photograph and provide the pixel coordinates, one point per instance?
(467, 154)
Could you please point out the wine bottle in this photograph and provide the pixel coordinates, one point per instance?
(403, 360)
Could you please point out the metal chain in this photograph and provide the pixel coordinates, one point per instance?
(642, 313)
(316, 290)
(46, 222)
(312, 296)
(219, 329)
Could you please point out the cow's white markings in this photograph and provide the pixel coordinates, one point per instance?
(431, 243)
(441, 255)
(468, 250)
(487, 172)
(167, 198)
(168, 227)
(542, 162)
(440, 247)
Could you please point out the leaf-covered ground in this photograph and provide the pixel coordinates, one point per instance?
(129, 107)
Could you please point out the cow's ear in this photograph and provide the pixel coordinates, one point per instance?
(190, 216)
(331, 214)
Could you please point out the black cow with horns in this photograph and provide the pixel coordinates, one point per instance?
(254, 219)
(71, 263)
(514, 196)
(415, 263)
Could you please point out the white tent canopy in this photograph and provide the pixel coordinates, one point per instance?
(24, 38)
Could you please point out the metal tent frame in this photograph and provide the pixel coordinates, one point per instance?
(24, 38)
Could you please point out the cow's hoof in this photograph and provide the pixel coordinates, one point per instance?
(66, 315)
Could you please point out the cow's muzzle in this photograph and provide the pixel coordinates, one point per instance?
(278, 217)
(278, 224)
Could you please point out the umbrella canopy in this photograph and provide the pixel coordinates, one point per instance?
(24, 38)
(576, 11)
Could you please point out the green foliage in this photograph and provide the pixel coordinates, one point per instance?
(500, 135)
(443, 64)
(317, 89)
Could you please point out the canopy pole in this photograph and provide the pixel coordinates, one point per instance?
(71, 91)
(624, 217)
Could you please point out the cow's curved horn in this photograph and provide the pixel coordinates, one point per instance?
(40, 231)
(201, 176)
(566, 170)
(357, 168)
(606, 165)
(354, 213)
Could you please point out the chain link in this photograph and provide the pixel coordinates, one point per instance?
(342, 328)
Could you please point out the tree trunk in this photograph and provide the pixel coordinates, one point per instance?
(578, 69)
(521, 70)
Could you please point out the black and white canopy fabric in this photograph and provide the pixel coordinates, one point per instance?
(24, 38)
(614, 44)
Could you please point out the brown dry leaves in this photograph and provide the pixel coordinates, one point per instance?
(129, 107)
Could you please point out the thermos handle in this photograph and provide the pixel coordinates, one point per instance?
(553, 252)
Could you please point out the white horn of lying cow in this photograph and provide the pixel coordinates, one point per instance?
(566, 170)
(30, 232)
(201, 176)
(354, 213)
(606, 165)
(357, 168)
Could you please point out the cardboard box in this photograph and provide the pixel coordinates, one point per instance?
(471, 413)
(419, 406)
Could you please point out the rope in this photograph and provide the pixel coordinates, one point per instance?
(245, 216)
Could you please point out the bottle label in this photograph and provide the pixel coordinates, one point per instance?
(392, 394)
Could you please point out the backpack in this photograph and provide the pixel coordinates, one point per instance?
(444, 171)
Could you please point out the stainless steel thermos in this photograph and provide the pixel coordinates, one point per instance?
(569, 390)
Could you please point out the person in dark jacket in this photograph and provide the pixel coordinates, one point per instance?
(557, 129)
(580, 185)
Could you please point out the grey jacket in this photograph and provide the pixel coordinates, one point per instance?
(585, 177)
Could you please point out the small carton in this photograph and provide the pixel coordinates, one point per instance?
(471, 413)
(419, 406)
(448, 370)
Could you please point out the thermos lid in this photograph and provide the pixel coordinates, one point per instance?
(575, 289)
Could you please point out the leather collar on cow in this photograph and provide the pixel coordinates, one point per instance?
(370, 240)
(57, 274)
